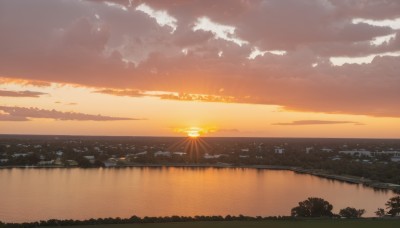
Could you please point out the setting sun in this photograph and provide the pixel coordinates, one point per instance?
(193, 132)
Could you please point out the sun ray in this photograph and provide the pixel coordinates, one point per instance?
(193, 145)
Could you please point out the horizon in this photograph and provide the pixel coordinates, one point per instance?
(203, 137)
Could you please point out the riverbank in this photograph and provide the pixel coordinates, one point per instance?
(280, 223)
(326, 223)
(319, 173)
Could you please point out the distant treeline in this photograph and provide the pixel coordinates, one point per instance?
(135, 219)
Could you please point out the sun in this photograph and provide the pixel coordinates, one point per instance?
(193, 132)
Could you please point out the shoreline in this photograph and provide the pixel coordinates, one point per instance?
(318, 173)
(214, 220)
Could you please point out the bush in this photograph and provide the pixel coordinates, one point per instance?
(351, 212)
(313, 207)
(393, 205)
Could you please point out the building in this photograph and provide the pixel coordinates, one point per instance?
(91, 159)
(162, 153)
(51, 162)
(357, 153)
(279, 150)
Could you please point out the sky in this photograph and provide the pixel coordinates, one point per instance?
(236, 68)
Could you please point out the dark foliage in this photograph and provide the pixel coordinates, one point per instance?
(351, 212)
(313, 207)
(138, 220)
(393, 205)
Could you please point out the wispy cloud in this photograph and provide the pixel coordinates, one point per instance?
(316, 122)
(6, 80)
(219, 31)
(26, 93)
(171, 95)
(25, 114)
(161, 16)
(65, 103)
(122, 92)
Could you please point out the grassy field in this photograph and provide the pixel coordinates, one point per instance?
(275, 224)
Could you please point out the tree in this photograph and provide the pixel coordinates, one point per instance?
(313, 207)
(393, 205)
(380, 212)
(351, 212)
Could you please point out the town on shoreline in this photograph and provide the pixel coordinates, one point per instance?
(370, 162)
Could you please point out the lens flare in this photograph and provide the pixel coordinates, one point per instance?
(193, 145)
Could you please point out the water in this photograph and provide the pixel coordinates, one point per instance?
(41, 194)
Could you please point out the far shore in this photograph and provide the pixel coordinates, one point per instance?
(319, 173)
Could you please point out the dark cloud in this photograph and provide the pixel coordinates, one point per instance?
(26, 93)
(6, 117)
(316, 122)
(370, 9)
(125, 52)
(25, 114)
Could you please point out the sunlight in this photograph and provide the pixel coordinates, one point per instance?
(193, 132)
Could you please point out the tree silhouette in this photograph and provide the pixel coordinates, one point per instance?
(313, 207)
(380, 212)
(351, 212)
(393, 205)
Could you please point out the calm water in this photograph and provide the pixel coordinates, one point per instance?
(40, 194)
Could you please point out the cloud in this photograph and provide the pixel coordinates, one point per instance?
(219, 31)
(25, 114)
(122, 92)
(162, 17)
(24, 82)
(170, 96)
(26, 93)
(6, 117)
(65, 103)
(316, 122)
(128, 52)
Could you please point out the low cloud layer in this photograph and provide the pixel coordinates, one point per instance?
(26, 93)
(163, 47)
(316, 122)
(26, 114)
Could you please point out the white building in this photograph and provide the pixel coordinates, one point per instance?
(208, 156)
(279, 150)
(17, 155)
(141, 153)
(51, 162)
(59, 153)
(357, 152)
(91, 159)
(162, 153)
(179, 153)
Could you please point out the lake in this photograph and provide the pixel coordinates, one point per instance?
(41, 194)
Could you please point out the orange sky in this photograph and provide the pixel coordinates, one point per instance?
(230, 68)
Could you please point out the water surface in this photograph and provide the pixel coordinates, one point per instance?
(41, 194)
